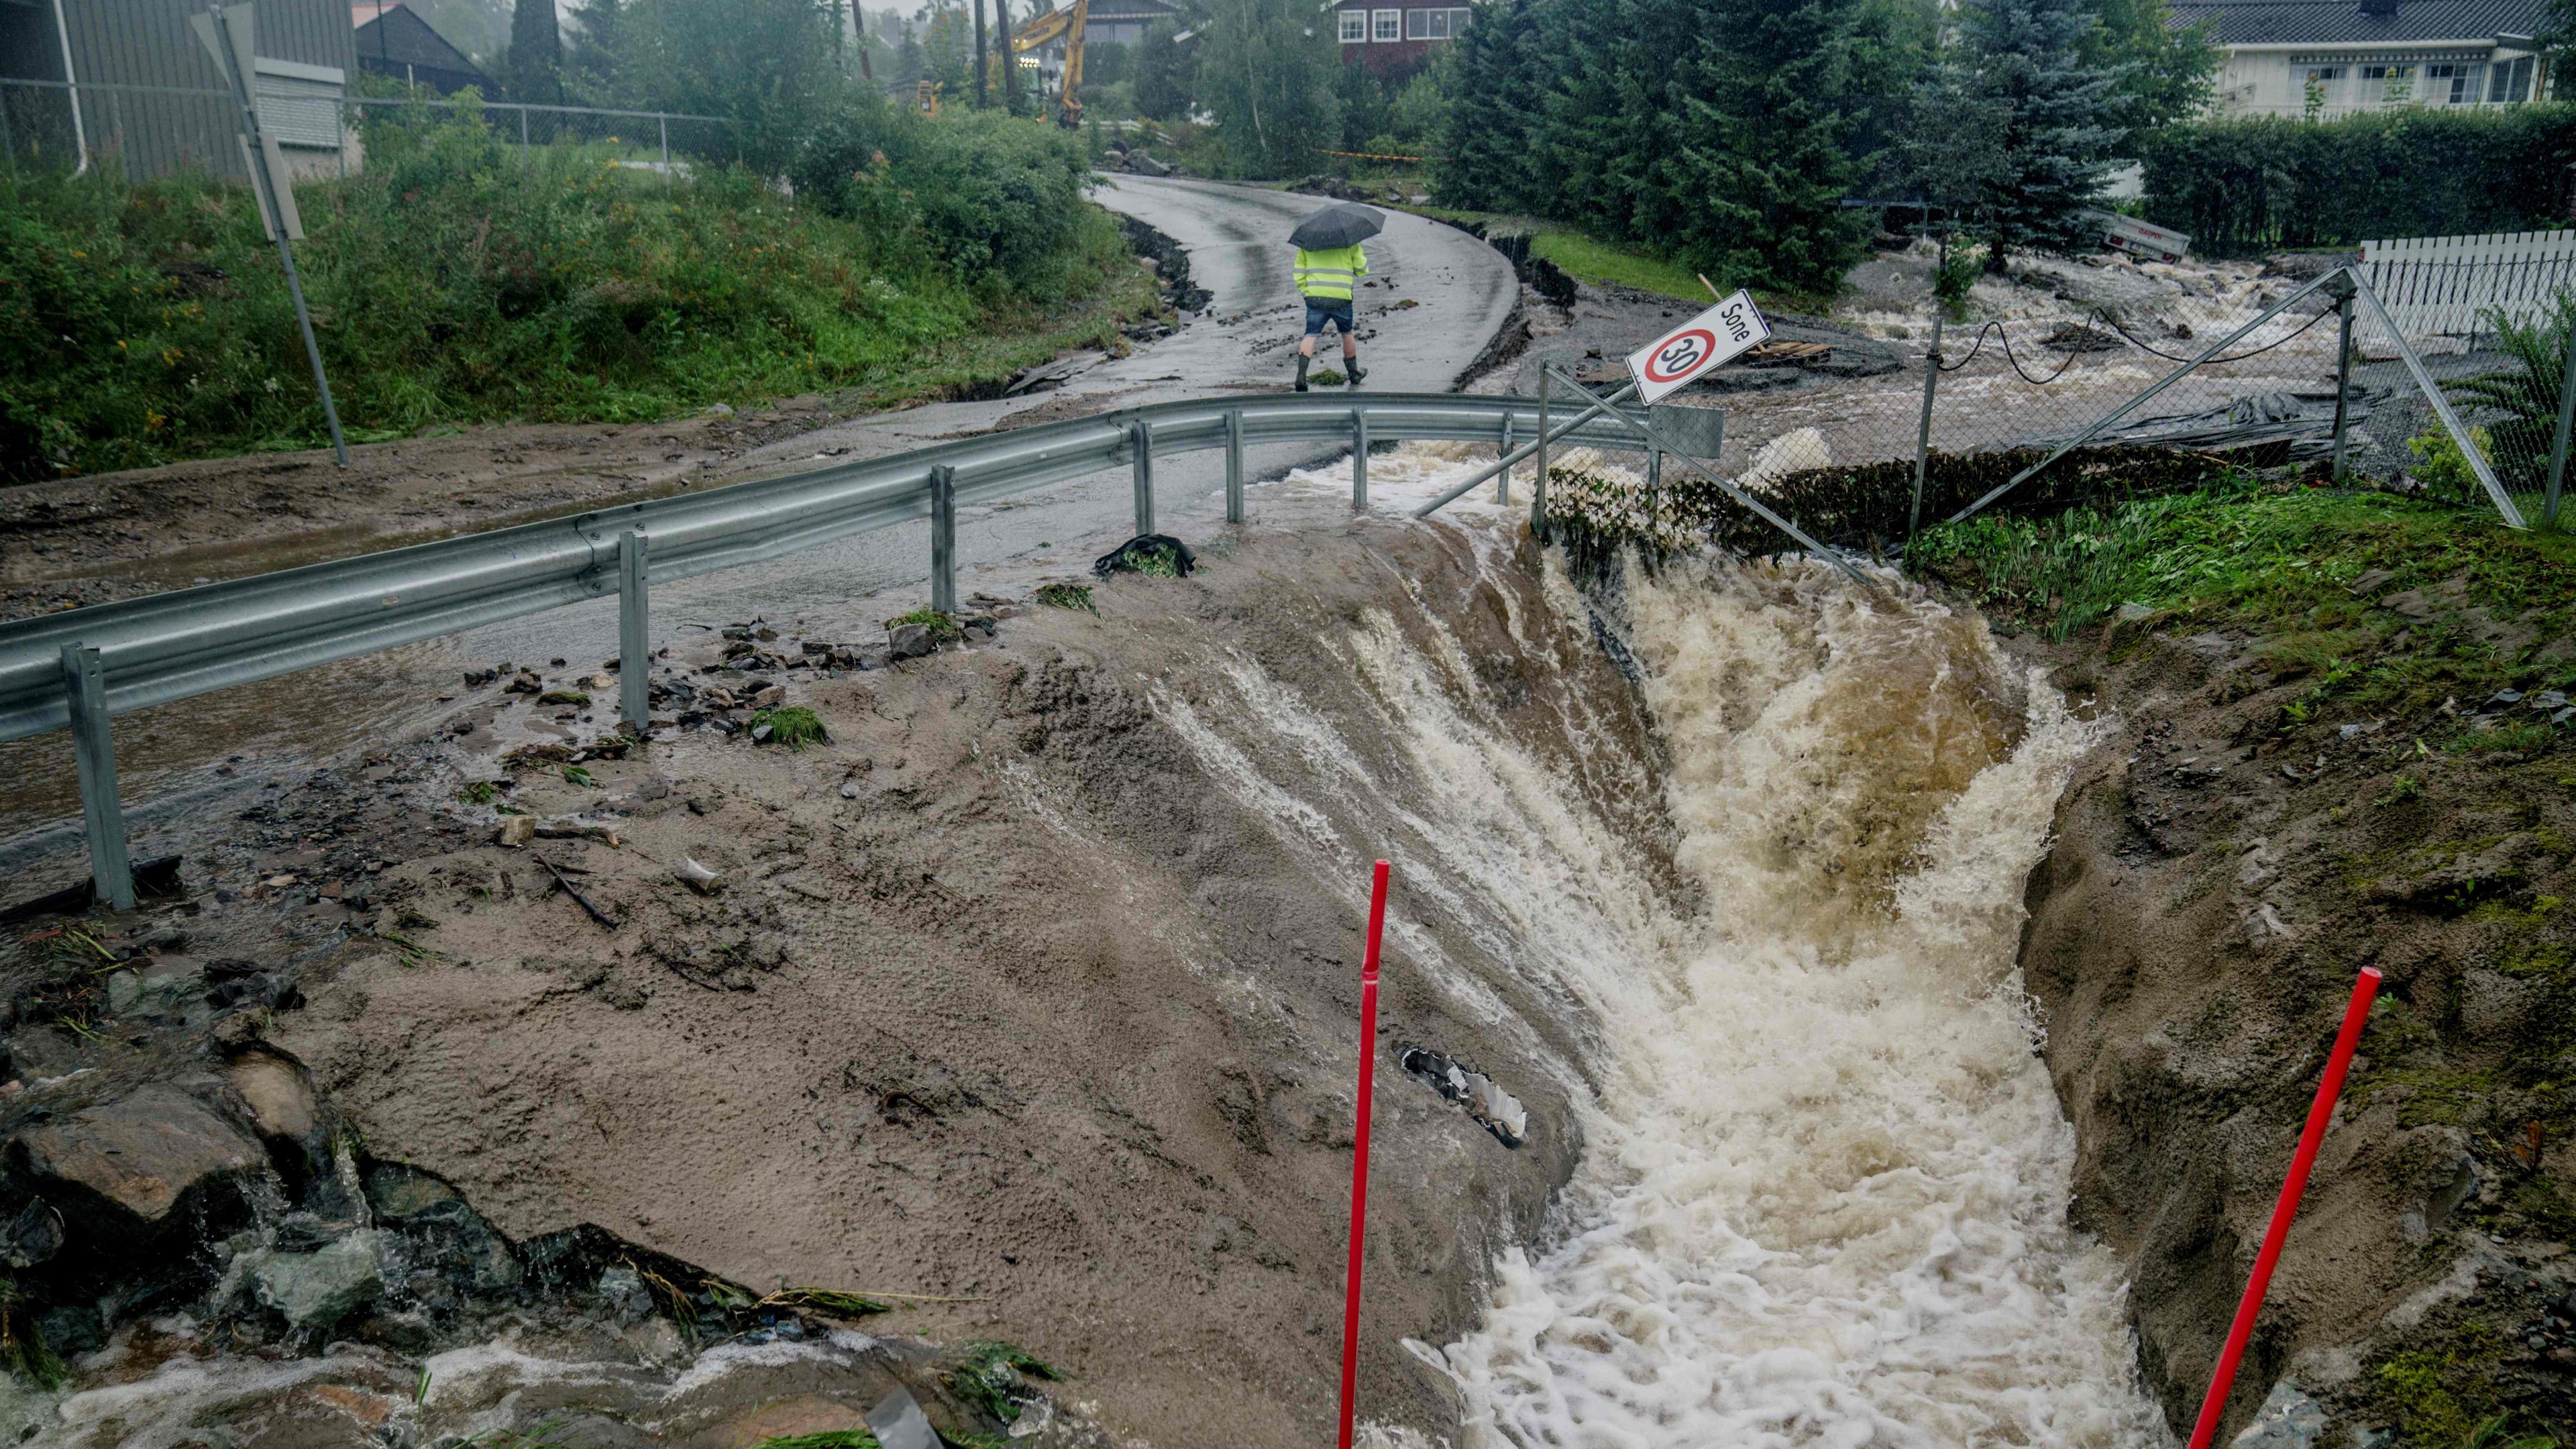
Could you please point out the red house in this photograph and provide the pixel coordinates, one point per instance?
(1395, 39)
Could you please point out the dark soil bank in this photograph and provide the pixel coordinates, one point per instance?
(2222, 870)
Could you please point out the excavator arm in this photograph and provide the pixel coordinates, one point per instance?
(1067, 25)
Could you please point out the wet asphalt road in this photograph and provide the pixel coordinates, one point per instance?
(1244, 341)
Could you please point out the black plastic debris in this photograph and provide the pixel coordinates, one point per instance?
(1156, 555)
(153, 879)
(1492, 1108)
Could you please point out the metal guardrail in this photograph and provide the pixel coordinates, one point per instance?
(75, 669)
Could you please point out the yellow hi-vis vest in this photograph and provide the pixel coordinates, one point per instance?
(1328, 276)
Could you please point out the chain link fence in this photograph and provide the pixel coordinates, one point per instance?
(50, 125)
(2032, 361)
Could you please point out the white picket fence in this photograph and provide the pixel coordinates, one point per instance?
(2454, 285)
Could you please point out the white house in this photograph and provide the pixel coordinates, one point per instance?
(2329, 58)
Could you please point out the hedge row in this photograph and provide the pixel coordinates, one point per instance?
(2244, 187)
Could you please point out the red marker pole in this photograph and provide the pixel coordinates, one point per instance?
(2355, 1015)
(1359, 1163)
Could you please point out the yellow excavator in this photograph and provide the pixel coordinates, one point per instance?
(1045, 30)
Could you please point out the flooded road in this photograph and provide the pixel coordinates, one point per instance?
(172, 758)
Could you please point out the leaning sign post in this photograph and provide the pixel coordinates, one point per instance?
(1720, 334)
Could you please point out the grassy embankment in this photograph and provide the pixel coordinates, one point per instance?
(461, 281)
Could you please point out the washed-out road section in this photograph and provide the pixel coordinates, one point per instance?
(1440, 297)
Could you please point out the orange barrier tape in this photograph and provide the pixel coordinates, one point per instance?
(1373, 156)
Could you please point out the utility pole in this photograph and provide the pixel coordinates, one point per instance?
(1010, 61)
(983, 56)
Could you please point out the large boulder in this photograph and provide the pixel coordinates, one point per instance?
(128, 1164)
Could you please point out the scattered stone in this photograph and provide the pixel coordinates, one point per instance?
(2288, 1419)
(277, 1094)
(318, 1289)
(623, 1294)
(1494, 1109)
(769, 698)
(909, 641)
(573, 697)
(2132, 612)
(33, 1236)
(140, 1155)
(477, 678)
(524, 683)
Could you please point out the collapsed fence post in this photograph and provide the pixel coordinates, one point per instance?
(94, 754)
(2442, 409)
(2343, 371)
(1359, 460)
(2566, 423)
(1141, 435)
(634, 634)
(1503, 479)
(1656, 441)
(2140, 399)
(943, 539)
(2356, 1014)
(1360, 1141)
(1234, 465)
(1538, 483)
(1923, 429)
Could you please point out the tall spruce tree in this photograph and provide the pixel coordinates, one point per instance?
(1761, 162)
(2062, 118)
(1162, 72)
(1495, 79)
(1266, 69)
(536, 54)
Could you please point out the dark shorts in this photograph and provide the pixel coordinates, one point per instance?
(1319, 310)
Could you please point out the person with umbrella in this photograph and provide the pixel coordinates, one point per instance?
(1330, 263)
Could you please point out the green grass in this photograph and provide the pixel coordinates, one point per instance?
(1067, 596)
(791, 725)
(944, 628)
(994, 1378)
(2281, 564)
(458, 281)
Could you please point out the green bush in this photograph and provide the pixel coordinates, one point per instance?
(996, 198)
(460, 280)
(2242, 187)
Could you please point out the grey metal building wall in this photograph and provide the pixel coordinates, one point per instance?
(148, 43)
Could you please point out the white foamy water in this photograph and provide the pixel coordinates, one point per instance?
(1824, 1194)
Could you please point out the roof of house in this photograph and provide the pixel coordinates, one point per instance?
(1130, 10)
(2340, 22)
(396, 36)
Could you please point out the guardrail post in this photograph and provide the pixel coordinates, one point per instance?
(1538, 486)
(1234, 465)
(634, 634)
(1359, 459)
(1503, 480)
(943, 539)
(1142, 434)
(85, 679)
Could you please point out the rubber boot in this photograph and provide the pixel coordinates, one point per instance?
(1302, 360)
(1352, 369)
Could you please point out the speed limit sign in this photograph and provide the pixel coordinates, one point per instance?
(1714, 336)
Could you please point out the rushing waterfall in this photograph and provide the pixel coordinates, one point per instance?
(1825, 1187)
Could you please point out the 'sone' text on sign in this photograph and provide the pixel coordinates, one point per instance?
(1717, 335)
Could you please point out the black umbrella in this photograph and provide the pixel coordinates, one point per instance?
(1344, 223)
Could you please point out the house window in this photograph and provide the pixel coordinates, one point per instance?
(2394, 84)
(1428, 24)
(2450, 83)
(2509, 81)
(1386, 25)
(1354, 27)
